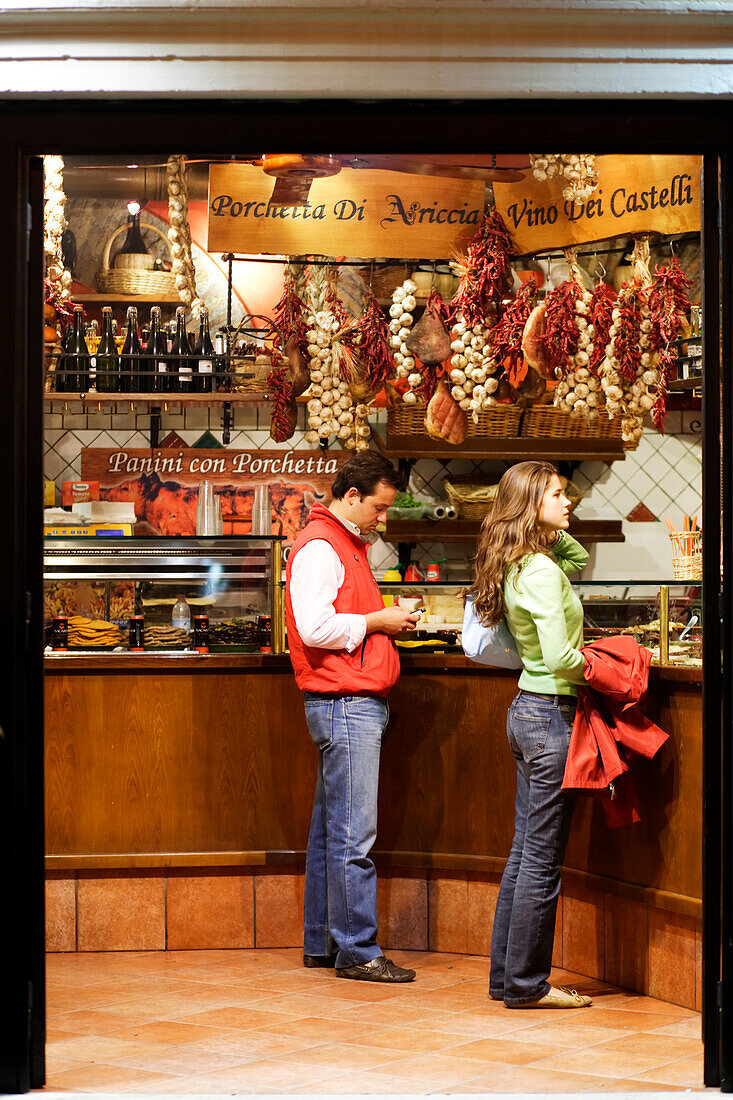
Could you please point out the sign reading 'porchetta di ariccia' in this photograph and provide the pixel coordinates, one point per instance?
(354, 213)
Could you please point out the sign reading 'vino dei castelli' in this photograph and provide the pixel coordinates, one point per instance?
(357, 212)
(635, 194)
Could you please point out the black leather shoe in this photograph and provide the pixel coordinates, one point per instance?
(378, 970)
(326, 962)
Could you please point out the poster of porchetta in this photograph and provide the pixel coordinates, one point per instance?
(163, 484)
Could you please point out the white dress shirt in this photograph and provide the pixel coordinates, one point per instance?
(316, 575)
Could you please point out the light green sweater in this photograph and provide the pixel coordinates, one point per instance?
(546, 618)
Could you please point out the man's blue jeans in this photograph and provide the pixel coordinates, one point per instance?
(340, 910)
(539, 730)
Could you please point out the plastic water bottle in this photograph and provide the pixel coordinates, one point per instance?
(181, 617)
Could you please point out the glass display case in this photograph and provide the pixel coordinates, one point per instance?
(610, 607)
(95, 589)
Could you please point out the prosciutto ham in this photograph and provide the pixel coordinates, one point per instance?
(533, 341)
(444, 419)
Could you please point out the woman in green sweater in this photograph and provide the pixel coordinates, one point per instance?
(524, 556)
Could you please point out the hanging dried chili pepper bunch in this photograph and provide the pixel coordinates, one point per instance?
(504, 344)
(569, 343)
(629, 373)
(290, 312)
(284, 408)
(485, 280)
(370, 340)
(331, 406)
(579, 169)
(669, 308)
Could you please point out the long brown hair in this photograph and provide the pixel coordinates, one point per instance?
(510, 531)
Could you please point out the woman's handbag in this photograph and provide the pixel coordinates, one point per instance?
(488, 645)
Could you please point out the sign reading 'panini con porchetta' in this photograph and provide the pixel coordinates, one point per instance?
(357, 212)
(635, 194)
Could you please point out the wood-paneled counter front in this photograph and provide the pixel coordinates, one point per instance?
(205, 763)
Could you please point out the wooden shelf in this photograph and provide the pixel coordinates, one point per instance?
(130, 299)
(156, 400)
(501, 447)
(466, 530)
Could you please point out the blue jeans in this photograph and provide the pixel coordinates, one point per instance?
(539, 730)
(340, 910)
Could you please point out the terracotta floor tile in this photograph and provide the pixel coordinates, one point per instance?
(173, 1032)
(622, 1019)
(684, 1029)
(529, 1079)
(413, 1040)
(173, 1061)
(266, 1074)
(651, 1004)
(96, 1021)
(605, 1063)
(60, 1065)
(301, 1004)
(434, 1071)
(663, 1046)
(343, 1057)
(686, 1073)
(258, 1045)
(369, 1082)
(557, 1033)
(631, 1085)
(239, 1018)
(102, 1078)
(91, 1048)
(504, 1051)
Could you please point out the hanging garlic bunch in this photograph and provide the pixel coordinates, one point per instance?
(54, 223)
(362, 431)
(579, 169)
(577, 392)
(629, 372)
(328, 397)
(179, 234)
(400, 326)
(472, 367)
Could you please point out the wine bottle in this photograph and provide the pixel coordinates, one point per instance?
(78, 360)
(130, 362)
(205, 356)
(157, 354)
(134, 243)
(62, 365)
(181, 373)
(108, 358)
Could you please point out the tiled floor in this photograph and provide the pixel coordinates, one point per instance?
(256, 1021)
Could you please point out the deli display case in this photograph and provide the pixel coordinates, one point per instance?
(610, 607)
(96, 589)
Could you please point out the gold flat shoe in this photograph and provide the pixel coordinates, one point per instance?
(560, 997)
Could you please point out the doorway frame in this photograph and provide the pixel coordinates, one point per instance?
(92, 127)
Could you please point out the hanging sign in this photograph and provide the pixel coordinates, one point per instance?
(163, 484)
(635, 194)
(358, 212)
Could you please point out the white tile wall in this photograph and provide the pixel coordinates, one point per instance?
(664, 473)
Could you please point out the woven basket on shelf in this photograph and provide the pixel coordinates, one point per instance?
(471, 496)
(134, 280)
(385, 279)
(547, 422)
(500, 421)
(686, 555)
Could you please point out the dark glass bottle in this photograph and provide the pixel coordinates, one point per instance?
(130, 363)
(134, 243)
(78, 361)
(156, 353)
(205, 356)
(108, 358)
(222, 363)
(181, 371)
(60, 378)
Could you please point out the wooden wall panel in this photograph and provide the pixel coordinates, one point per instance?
(221, 761)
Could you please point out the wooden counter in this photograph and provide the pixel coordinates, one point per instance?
(206, 761)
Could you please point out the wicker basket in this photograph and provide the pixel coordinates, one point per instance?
(500, 421)
(686, 555)
(547, 422)
(471, 496)
(132, 280)
(385, 279)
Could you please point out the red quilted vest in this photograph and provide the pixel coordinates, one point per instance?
(373, 667)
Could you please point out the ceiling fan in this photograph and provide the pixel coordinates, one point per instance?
(294, 172)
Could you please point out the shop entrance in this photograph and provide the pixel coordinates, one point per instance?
(72, 132)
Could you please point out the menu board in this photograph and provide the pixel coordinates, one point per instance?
(163, 484)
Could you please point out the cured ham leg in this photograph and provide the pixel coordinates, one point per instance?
(444, 419)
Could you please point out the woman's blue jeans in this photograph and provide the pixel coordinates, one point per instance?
(340, 908)
(538, 728)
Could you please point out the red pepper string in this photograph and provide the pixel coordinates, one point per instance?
(282, 392)
(561, 329)
(52, 296)
(505, 338)
(432, 373)
(487, 271)
(290, 312)
(668, 309)
(439, 306)
(602, 305)
(369, 339)
(627, 341)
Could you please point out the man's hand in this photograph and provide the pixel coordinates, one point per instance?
(391, 620)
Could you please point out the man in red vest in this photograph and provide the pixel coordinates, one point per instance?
(345, 661)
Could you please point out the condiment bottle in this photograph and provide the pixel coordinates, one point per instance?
(433, 573)
(181, 617)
